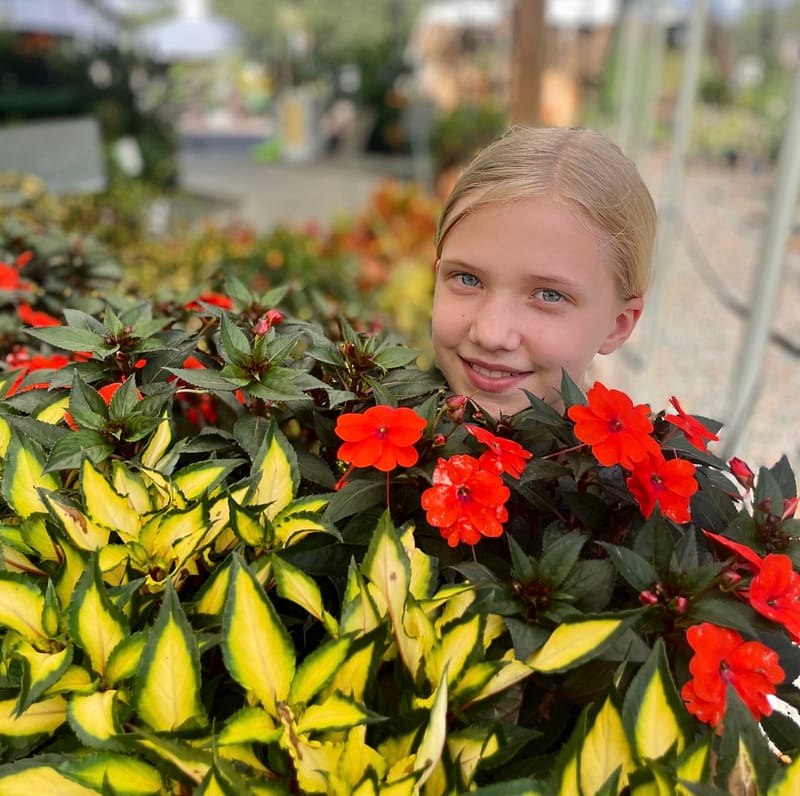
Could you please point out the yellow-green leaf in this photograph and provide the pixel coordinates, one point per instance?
(318, 669)
(278, 476)
(573, 643)
(256, 646)
(295, 585)
(249, 725)
(23, 476)
(80, 530)
(335, 713)
(96, 624)
(211, 600)
(40, 670)
(21, 606)
(125, 658)
(354, 674)
(604, 750)
(470, 746)
(38, 778)
(105, 505)
(653, 710)
(75, 680)
(429, 751)
(167, 689)
(787, 784)
(197, 479)
(158, 444)
(387, 568)
(185, 527)
(92, 718)
(125, 775)
(459, 642)
(249, 526)
(131, 486)
(15, 561)
(41, 718)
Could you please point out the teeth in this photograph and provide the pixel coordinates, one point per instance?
(492, 374)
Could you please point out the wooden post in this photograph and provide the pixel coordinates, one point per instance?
(527, 62)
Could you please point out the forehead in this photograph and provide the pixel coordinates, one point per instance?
(529, 228)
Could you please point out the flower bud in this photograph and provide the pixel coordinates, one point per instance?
(742, 472)
(647, 597)
(456, 404)
(789, 507)
(729, 579)
(681, 605)
(439, 440)
(270, 319)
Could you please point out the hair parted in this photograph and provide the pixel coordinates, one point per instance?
(579, 166)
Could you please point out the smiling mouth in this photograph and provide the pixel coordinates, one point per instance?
(494, 374)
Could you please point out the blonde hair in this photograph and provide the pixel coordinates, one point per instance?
(579, 166)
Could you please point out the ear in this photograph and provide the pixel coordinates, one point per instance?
(624, 324)
(436, 265)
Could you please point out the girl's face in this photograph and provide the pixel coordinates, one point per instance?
(524, 289)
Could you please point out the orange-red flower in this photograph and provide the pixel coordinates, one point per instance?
(11, 280)
(775, 593)
(503, 455)
(35, 318)
(617, 431)
(668, 484)
(466, 501)
(742, 473)
(695, 432)
(21, 358)
(215, 299)
(381, 437)
(722, 657)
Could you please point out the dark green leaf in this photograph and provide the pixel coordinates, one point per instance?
(69, 451)
(635, 569)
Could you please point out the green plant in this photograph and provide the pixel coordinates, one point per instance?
(224, 571)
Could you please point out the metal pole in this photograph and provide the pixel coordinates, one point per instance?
(629, 57)
(747, 384)
(657, 44)
(666, 238)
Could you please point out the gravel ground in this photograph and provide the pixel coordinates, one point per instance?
(703, 316)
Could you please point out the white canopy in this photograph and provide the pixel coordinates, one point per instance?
(59, 18)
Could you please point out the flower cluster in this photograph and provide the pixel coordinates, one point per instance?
(722, 657)
(620, 432)
(468, 497)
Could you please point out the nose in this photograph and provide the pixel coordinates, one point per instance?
(495, 325)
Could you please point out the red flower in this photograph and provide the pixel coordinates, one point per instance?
(503, 456)
(694, 431)
(617, 431)
(465, 501)
(21, 358)
(668, 484)
(722, 656)
(775, 593)
(215, 299)
(743, 551)
(10, 279)
(32, 317)
(381, 437)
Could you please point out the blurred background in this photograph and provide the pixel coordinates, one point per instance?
(310, 143)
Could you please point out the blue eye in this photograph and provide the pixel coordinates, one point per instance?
(550, 296)
(468, 280)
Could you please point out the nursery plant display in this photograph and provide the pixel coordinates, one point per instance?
(244, 551)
